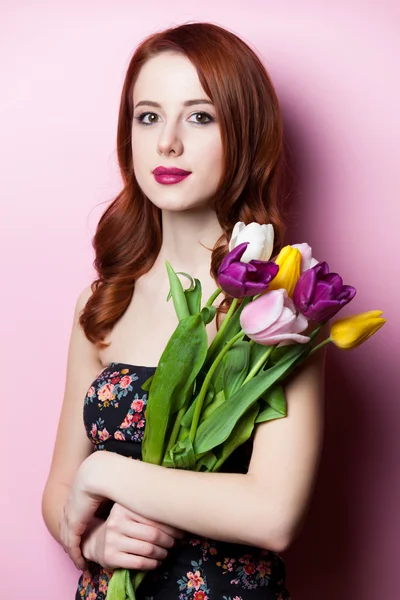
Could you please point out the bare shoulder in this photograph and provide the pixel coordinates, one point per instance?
(286, 451)
(72, 445)
(83, 298)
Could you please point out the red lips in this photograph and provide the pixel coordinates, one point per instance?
(170, 171)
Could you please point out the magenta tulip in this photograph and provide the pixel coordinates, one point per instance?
(320, 294)
(240, 279)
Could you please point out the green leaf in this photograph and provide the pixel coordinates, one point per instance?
(138, 577)
(276, 404)
(147, 384)
(268, 414)
(236, 366)
(167, 461)
(219, 399)
(183, 433)
(206, 462)
(240, 434)
(218, 378)
(208, 313)
(176, 428)
(182, 455)
(117, 585)
(189, 289)
(278, 353)
(192, 281)
(187, 418)
(177, 369)
(276, 398)
(231, 330)
(281, 351)
(178, 295)
(218, 427)
(257, 350)
(193, 297)
(130, 592)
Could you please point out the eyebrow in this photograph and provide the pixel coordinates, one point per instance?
(187, 103)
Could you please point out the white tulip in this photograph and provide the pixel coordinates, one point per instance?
(260, 238)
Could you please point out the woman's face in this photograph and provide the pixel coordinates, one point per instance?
(167, 133)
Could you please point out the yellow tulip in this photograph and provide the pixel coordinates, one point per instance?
(350, 332)
(289, 261)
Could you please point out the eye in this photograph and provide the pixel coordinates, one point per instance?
(201, 118)
(202, 115)
(141, 117)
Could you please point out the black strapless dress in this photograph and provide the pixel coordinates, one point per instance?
(197, 568)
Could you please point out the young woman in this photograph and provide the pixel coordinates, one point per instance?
(200, 148)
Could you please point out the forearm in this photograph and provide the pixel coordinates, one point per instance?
(53, 500)
(222, 506)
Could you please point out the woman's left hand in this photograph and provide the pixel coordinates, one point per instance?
(79, 509)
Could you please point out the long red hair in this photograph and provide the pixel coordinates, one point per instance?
(128, 236)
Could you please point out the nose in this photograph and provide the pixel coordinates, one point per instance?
(170, 141)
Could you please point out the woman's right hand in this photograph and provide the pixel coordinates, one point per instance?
(129, 541)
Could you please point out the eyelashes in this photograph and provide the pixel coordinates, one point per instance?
(141, 117)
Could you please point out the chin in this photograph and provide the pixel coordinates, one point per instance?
(176, 205)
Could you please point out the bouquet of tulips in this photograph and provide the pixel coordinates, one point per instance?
(204, 402)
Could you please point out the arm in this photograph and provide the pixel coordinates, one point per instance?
(124, 539)
(264, 508)
(72, 445)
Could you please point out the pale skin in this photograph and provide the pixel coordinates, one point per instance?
(154, 505)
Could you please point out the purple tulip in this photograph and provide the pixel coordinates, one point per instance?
(319, 295)
(239, 279)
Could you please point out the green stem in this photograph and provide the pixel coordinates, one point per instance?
(202, 394)
(217, 465)
(260, 363)
(315, 332)
(175, 429)
(323, 343)
(224, 325)
(215, 295)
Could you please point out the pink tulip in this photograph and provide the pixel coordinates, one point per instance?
(307, 260)
(272, 319)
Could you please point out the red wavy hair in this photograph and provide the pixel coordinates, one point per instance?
(250, 188)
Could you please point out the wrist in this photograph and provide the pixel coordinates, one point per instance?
(94, 473)
(105, 474)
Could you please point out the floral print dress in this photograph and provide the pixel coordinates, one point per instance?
(197, 568)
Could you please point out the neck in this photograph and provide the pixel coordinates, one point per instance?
(188, 239)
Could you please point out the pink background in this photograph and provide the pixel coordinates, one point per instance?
(335, 67)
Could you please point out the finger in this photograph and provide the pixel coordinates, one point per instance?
(149, 534)
(140, 548)
(75, 553)
(119, 513)
(71, 547)
(82, 566)
(168, 529)
(130, 561)
(177, 534)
